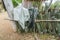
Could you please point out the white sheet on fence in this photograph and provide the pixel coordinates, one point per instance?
(21, 15)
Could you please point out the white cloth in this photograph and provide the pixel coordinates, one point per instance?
(21, 15)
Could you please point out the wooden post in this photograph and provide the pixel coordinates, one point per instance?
(37, 21)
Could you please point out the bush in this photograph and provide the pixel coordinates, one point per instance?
(15, 4)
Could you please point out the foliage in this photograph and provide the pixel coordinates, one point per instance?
(50, 14)
(14, 2)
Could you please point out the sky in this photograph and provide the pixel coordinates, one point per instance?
(49, 2)
(54, 1)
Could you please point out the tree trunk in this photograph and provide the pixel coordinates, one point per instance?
(9, 7)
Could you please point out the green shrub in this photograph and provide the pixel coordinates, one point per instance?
(15, 4)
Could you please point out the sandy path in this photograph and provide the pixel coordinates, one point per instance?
(6, 32)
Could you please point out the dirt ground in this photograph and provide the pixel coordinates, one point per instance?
(7, 33)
